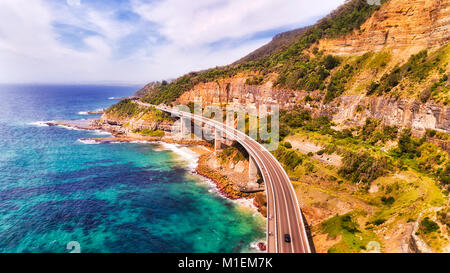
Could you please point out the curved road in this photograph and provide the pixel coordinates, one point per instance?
(282, 205)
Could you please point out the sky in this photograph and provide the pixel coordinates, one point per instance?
(138, 41)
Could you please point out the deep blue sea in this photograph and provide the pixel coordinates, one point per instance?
(127, 197)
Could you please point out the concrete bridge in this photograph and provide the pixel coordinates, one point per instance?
(286, 230)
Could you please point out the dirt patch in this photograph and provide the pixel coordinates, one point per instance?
(306, 147)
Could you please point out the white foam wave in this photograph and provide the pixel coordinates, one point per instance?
(69, 127)
(186, 154)
(140, 142)
(85, 113)
(253, 247)
(102, 133)
(242, 202)
(39, 123)
(88, 141)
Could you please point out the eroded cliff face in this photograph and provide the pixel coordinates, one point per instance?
(391, 111)
(406, 26)
(234, 90)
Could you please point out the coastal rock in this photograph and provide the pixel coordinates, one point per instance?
(228, 183)
(262, 246)
(125, 125)
(240, 167)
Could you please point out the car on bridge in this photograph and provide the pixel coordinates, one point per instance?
(287, 238)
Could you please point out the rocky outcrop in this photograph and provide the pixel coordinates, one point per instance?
(404, 25)
(391, 111)
(235, 90)
(226, 184)
(125, 125)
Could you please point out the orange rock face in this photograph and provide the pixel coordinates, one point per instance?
(407, 26)
(235, 90)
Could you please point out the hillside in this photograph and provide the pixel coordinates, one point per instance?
(342, 21)
(280, 42)
(365, 120)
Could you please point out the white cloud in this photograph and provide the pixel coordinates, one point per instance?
(31, 50)
(203, 21)
(74, 2)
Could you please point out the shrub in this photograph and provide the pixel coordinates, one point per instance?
(378, 222)
(430, 133)
(337, 224)
(321, 124)
(425, 95)
(348, 224)
(407, 145)
(225, 155)
(362, 167)
(331, 62)
(290, 158)
(428, 226)
(388, 201)
(287, 145)
(337, 83)
(125, 108)
(390, 132)
(444, 175)
(373, 86)
(443, 217)
(284, 130)
(256, 80)
(148, 132)
(295, 118)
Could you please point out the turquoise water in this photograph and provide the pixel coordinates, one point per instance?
(108, 197)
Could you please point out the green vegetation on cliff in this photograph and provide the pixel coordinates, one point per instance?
(125, 108)
(417, 69)
(353, 238)
(148, 132)
(129, 109)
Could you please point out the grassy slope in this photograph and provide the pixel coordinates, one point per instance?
(409, 187)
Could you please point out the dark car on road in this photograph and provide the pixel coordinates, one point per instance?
(287, 238)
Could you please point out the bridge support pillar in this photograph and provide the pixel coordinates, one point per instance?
(183, 128)
(252, 170)
(217, 141)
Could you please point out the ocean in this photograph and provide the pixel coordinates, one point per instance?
(57, 192)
